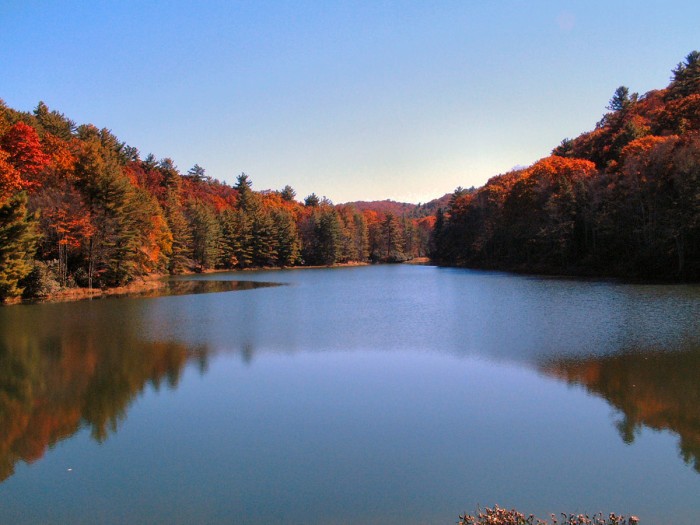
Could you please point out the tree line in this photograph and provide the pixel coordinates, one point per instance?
(79, 207)
(621, 200)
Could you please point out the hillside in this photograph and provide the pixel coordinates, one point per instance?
(621, 200)
(402, 209)
(80, 208)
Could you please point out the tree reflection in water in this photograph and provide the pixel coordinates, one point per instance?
(199, 286)
(55, 382)
(63, 368)
(656, 389)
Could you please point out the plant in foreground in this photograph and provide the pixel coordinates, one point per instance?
(499, 516)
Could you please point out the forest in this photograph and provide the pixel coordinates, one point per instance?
(80, 208)
(622, 200)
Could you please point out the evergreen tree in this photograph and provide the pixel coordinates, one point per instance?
(257, 235)
(686, 77)
(312, 201)
(392, 239)
(206, 235)
(17, 244)
(155, 240)
(123, 239)
(288, 194)
(181, 252)
(620, 100)
(410, 238)
(113, 250)
(54, 122)
(437, 237)
(354, 238)
(197, 174)
(244, 188)
(328, 245)
(564, 149)
(287, 239)
(170, 180)
(150, 162)
(361, 237)
(347, 234)
(263, 235)
(230, 238)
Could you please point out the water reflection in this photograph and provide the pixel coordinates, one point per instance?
(199, 286)
(65, 368)
(321, 396)
(55, 382)
(655, 389)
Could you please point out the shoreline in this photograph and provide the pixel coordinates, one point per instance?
(153, 282)
(148, 283)
(143, 284)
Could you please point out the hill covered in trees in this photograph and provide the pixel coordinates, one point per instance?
(402, 209)
(621, 200)
(78, 207)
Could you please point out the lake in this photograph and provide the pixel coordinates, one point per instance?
(370, 395)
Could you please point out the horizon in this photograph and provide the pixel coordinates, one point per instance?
(352, 101)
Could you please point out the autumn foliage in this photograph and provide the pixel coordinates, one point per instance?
(81, 208)
(500, 516)
(648, 387)
(78, 207)
(621, 200)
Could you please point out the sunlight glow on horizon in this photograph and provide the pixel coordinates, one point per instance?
(355, 101)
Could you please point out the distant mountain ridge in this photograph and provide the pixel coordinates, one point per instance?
(402, 209)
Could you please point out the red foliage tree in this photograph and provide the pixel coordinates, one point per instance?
(10, 180)
(22, 144)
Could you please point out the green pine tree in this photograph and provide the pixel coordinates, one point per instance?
(206, 235)
(17, 245)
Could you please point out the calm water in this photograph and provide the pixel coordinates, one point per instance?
(387, 394)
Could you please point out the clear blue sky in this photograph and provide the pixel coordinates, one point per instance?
(353, 100)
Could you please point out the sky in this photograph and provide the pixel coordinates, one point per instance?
(352, 100)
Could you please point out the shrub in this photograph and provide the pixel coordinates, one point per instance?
(41, 281)
(499, 516)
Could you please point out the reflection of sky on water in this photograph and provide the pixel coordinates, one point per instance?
(461, 312)
(389, 394)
